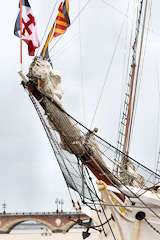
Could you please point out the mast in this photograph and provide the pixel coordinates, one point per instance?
(132, 82)
(126, 124)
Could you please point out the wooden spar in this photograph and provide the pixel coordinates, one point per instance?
(93, 161)
(140, 59)
(22, 76)
(21, 34)
(131, 94)
(134, 83)
(106, 176)
(99, 171)
(125, 149)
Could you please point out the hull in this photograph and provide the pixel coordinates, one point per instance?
(137, 222)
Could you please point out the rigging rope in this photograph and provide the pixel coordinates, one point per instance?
(110, 145)
(157, 168)
(127, 16)
(123, 102)
(47, 26)
(58, 151)
(149, 224)
(97, 211)
(115, 8)
(65, 46)
(107, 75)
(139, 69)
(75, 18)
(135, 195)
(102, 209)
(81, 71)
(126, 206)
(50, 137)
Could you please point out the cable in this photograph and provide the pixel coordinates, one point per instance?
(47, 25)
(134, 194)
(75, 18)
(97, 211)
(107, 74)
(138, 79)
(65, 46)
(81, 72)
(126, 206)
(102, 209)
(157, 162)
(50, 136)
(95, 226)
(116, 9)
(149, 224)
(110, 145)
(122, 114)
(59, 152)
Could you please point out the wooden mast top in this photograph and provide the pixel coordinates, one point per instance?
(132, 91)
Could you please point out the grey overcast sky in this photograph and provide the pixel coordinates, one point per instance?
(30, 179)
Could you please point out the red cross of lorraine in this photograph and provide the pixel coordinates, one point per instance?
(27, 24)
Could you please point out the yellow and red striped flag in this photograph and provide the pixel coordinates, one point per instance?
(62, 19)
(62, 22)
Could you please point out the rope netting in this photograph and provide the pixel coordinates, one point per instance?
(70, 140)
(69, 164)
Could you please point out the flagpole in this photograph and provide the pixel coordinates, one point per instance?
(21, 35)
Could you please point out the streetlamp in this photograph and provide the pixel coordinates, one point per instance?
(57, 202)
(4, 205)
(61, 203)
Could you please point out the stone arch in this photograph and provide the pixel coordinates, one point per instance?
(65, 220)
(14, 222)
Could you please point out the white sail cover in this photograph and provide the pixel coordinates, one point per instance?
(49, 82)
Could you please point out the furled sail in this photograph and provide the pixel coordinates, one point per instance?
(45, 86)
